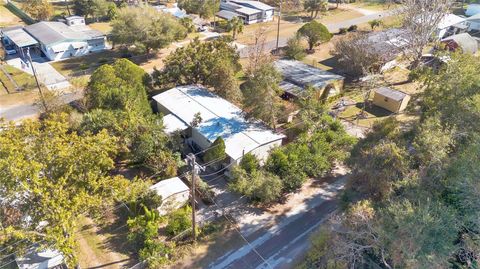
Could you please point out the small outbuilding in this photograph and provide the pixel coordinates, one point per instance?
(297, 76)
(390, 99)
(464, 42)
(174, 194)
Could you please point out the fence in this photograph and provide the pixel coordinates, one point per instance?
(19, 13)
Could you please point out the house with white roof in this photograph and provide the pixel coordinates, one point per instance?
(174, 194)
(250, 11)
(450, 25)
(220, 118)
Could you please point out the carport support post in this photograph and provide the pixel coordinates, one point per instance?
(191, 157)
(36, 80)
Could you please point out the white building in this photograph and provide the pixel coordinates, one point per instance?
(220, 118)
(451, 25)
(250, 11)
(174, 11)
(44, 259)
(174, 194)
(472, 10)
(58, 40)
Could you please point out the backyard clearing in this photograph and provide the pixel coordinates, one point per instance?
(7, 18)
(22, 79)
(103, 248)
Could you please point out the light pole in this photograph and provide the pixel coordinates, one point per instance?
(36, 80)
(278, 26)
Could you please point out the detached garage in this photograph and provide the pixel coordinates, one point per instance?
(391, 100)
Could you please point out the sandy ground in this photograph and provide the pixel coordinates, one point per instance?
(7, 18)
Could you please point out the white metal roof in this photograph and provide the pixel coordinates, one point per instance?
(473, 9)
(220, 118)
(172, 124)
(450, 20)
(253, 4)
(20, 37)
(40, 260)
(168, 187)
(391, 93)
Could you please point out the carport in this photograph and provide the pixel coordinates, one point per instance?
(18, 39)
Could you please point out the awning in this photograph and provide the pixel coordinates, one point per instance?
(20, 37)
(227, 15)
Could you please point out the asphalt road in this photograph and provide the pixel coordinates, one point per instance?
(280, 246)
(332, 27)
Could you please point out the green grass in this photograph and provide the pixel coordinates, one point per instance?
(23, 79)
(69, 66)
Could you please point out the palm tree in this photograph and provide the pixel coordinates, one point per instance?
(236, 26)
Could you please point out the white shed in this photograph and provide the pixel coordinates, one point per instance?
(174, 194)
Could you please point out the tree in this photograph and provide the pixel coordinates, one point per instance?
(420, 21)
(204, 8)
(315, 33)
(187, 22)
(179, 221)
(235, 25)
(315, 6)
(374, 24)
(216, 151)
(50, 174)
(262, 94)
(203, 63)
(249, 163)
(295, 49)
(40, 10)
(146, 28)
(259, 186)
(83, 7)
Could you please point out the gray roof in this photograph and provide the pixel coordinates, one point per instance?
(225, 14)
(53, 32)
(465, 41)
(301, 75)
(253, 4)
(18, 36)
(391, 93)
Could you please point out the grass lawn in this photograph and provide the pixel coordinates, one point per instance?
(374, 5)
(7, 18)
(77, 64)
(23, 79)
(103, 27)
(60, 7)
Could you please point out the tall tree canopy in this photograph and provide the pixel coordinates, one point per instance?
(315, 33)
(146, 28)
(40, 10)
(213, 64)
(49, 177)
(204, 8)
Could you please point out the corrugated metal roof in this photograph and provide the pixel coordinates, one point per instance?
(254, 4)
(225, 14)
(53, 32)
(220, 118)
(20, 37)
(391, 93)
(301, 75)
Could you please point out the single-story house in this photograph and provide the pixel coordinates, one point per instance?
(58, 40)
(390, 99)
(45, 259)
(174, 11)
(219, 118)
(463, 41)
(472, 10)
(174, 194)
(474, 22)
(250, 11)
(297, 76)
(450, 25)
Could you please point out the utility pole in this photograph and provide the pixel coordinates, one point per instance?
(191, 158)
(36, 80)
(278, 27)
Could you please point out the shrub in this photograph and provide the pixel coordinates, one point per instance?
(342, 31)
(260, 186)
(216, 150)
(83, 66)
(249, 163)
(295, 49)
(352, 28)
(179, 221)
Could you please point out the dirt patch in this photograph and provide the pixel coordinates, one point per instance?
(7, 18)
